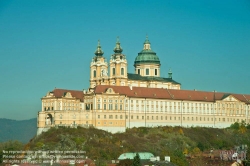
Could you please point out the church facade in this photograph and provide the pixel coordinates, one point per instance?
(147, 69)
(117, 100)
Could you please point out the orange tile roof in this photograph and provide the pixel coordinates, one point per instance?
(172, 94)
(58, 93)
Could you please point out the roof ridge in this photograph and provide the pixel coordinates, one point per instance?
(245, 98)
(170, 94)
(66, 89)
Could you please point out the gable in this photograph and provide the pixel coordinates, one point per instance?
(67, 94)
(110, 91)
(230, 98)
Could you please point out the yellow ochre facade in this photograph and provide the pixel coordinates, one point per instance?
(117, 100)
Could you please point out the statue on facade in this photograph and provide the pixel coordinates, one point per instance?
(104, 72)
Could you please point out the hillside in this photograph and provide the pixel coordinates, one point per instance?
(161, 141)
(21, 130)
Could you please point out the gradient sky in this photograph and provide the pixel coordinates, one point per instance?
(49, 43)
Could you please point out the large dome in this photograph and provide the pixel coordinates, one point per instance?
(147, 56)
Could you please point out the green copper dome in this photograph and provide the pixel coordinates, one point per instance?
(147, 56)
(99, 51)
(118, 48)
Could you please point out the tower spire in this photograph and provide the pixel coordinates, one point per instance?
(147, 44)
(99, 51)
(118, 48)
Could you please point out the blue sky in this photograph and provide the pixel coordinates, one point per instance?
(46, 44)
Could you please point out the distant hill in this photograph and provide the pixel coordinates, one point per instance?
(21, 130)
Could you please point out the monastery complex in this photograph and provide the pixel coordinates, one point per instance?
(117, 100)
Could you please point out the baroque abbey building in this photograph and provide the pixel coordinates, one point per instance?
(117, 100)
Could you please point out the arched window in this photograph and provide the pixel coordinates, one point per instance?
(122, 71)
(147, 71)
(94, 73)
(156, 72)
(113, 71)
(138, 71)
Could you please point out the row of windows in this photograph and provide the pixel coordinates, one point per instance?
(174, 108)
(110, 123)
(184, 104)
(235, 105)
(110, 101)
(73, 123)
(169, 109)
(110, 116)
(184, 109)
(184, 118)
(170, 118)
(113, 72)
(200, 112)
(229, 120)
(73, 116)
(68, 108)
(109, 107)
(147, 71)
(69, 104)
(65, 108)
(64, 104)
(48, 108)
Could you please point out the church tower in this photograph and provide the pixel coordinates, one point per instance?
(98, 68)
(118, 66)
(147, 62)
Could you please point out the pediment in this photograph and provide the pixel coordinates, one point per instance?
(68, 95)
(110, 91)
(230, 98)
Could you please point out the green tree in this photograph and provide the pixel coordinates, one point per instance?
(200, 146)
(242, 127)
(9, 146)
(178, 158)
(137, 160)
(235, 126)
(248, 126)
